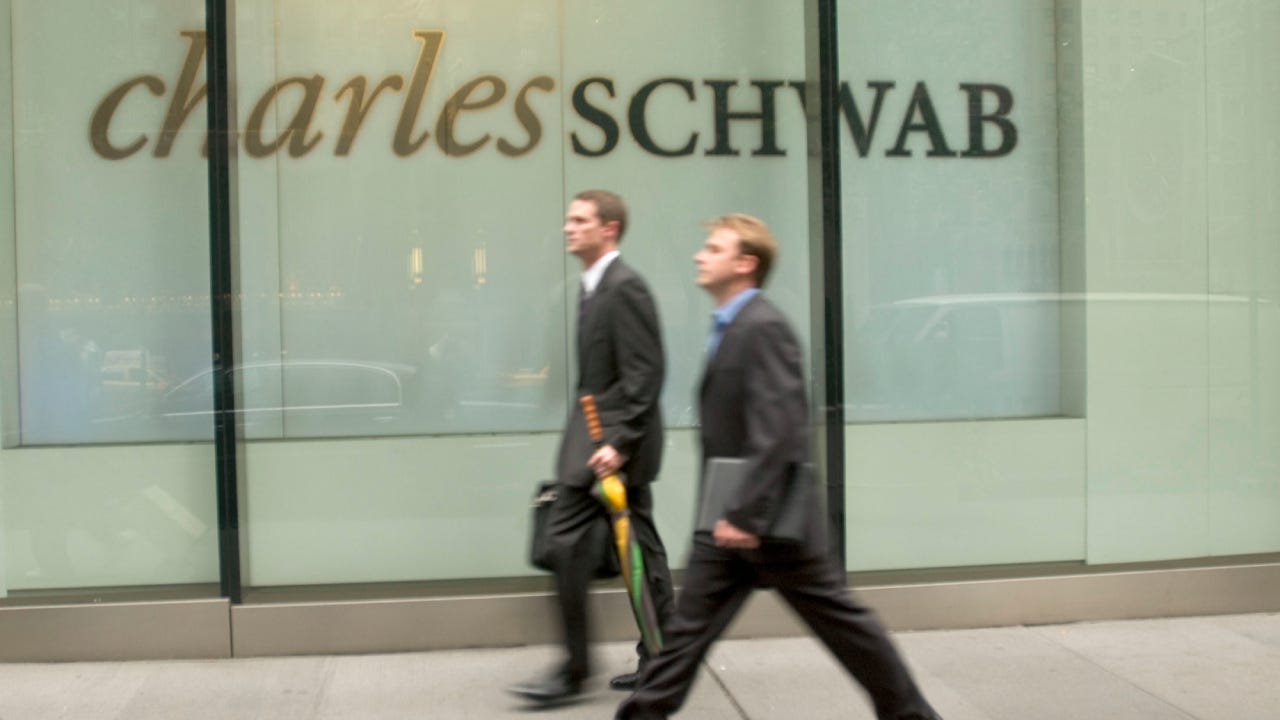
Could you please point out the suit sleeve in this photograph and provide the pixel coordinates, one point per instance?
(776, 415)
(625, 406)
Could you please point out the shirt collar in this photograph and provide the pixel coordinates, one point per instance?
(591, 276)
(727, 312)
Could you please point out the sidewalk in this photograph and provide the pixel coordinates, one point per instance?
(1208, 668)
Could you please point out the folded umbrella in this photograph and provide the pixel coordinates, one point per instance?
(612, 493)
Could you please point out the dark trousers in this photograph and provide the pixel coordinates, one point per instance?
(718, 582)
(576, 552)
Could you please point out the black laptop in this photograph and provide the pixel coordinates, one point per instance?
(722, 482)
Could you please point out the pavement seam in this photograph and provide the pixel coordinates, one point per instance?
(1038, 629)
(742, 712)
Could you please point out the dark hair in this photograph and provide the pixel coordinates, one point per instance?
(609, 208)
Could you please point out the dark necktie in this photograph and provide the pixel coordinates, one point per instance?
(583, 298)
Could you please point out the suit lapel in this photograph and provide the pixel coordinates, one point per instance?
(590, 323)
(728, 340)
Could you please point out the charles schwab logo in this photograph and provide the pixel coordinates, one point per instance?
(601, 116)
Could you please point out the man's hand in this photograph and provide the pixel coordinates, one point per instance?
(605, 461)
(727, 535)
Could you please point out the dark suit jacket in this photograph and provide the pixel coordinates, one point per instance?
(753, 405)
(620, 362)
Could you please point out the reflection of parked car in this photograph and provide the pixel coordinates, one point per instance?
(135, 377)
(129, 382)
(957, 356)
(1002, 355)
(299, 398)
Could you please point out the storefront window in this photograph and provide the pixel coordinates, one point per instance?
(106, 279)
(1067, 228)
(952, 262)
(425, 248)
(1058, 256)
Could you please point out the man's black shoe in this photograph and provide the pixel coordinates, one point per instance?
(626, 681)
(556, 688)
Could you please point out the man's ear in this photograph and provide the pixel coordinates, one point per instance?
(750, 263)
(612, 226)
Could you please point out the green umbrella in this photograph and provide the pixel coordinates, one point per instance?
(612, 493)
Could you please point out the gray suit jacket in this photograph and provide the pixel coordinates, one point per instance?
(753, 405)
(621, 363)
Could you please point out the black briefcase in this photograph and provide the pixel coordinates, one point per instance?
(600, 535)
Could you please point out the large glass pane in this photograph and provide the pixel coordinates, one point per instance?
(1182, 420)
(1244, 264)
(110, 206)
(951, 199)
(419, 242)
(106, 262)
(401, 196)
(705, 118)
(953, 287)
(709, 120)
(408, 280)
(1154, 208)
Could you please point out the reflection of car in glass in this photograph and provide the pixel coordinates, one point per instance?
(956, 356)
(1000, 355)
(300, 398)
(129, 382)
(133, 377)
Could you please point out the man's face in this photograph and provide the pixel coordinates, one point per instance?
(719, 262)
(585, 236)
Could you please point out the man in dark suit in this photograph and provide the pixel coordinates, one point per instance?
(620, 363)
(753, 406)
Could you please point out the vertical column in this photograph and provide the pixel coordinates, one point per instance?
(224, 292)
(822, 70)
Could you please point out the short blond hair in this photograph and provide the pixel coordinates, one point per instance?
(754, 239)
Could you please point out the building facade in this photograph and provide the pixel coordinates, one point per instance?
(312, 374)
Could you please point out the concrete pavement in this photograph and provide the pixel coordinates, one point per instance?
(1205, 668)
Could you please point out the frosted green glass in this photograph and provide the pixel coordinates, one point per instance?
(394, 509)
(108, 516)
(1067, 352)
(950, 246)
(1244, 262)
(104, 283)
(112, 255)
(485, 321)
(953, 494)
